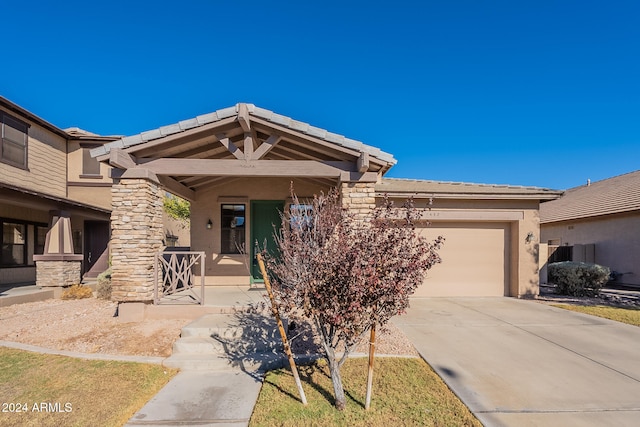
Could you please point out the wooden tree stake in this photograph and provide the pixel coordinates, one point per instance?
(276, 314)
(372, 347)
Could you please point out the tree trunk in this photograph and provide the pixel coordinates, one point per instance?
(336, 379)
(334, 366)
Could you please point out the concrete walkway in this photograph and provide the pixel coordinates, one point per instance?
(220, 399)
(522, 363)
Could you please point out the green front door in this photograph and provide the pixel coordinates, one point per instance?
(265, 214)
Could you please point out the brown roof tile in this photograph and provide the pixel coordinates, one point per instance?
(425, 188)
(613, 195)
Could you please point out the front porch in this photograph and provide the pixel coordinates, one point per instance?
(236, 167)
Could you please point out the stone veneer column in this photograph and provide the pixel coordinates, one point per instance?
(136, 237)
(359, 197)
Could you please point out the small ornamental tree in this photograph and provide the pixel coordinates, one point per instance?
(347, 274)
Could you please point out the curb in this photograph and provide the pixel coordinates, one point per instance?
(89, 356)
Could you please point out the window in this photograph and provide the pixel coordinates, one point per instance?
(13, 145)
(20, 241)
(232, 233)
(14, 248)
(90, 165)
(301, 216)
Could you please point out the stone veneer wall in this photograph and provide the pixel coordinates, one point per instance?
(136, 237)
(58, 273)
(358, 197)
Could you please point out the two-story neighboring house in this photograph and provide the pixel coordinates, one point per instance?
(45, 170)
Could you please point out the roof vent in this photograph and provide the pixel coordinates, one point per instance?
(588, 182)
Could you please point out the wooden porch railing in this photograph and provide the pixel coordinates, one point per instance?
(174, 277)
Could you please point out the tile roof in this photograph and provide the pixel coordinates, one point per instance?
(613, 195)
(288, 122)
(427, 188)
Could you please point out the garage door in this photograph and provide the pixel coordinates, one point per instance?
(475, 260)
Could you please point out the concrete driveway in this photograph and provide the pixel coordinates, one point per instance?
(521, 363)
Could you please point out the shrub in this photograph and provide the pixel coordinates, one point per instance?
(103, 289)
(578, 278)
(77, 292)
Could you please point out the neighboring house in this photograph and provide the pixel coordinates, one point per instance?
(236, 165)
(45, 171)
(602, 217)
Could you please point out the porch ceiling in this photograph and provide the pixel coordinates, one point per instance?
(244, 140)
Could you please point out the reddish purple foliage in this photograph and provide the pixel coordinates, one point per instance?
(346, 274)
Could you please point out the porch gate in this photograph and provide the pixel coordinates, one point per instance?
(175, 279)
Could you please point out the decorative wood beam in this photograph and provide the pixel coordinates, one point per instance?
(176, 188)
(120, 159)
(325, 182)
(266, 146)
(358, 177)
(363, 162)
(135, 173)
(256, 168)
(233, 148)
(248, 146)
(243, 117)
(268, 127)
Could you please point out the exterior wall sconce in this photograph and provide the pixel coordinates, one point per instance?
(209, 225)
(530, 237)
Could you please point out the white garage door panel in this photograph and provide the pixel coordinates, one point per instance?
(474, 260)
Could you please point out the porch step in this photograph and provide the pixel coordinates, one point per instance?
(197, 345)
(216, 342)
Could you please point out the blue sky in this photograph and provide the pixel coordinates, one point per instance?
(540, 93)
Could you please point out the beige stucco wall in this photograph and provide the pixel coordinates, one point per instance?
(177, 228)
(233, 269)
(74, 172)
(46, 163)
(616, 239)
(91, 190)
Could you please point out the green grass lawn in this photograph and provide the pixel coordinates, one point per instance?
(63, 391)
(406, 392)
(624, 315)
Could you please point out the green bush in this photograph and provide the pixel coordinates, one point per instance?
(103, 289)
(578, 278)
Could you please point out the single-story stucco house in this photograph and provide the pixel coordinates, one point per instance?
(601, 221)
(235, 166)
